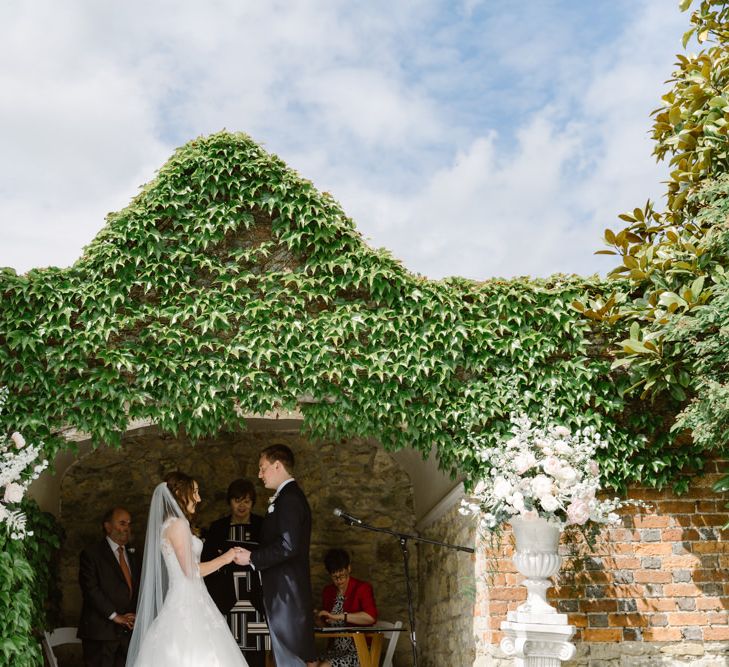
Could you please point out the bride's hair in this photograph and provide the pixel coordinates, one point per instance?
(182, 487)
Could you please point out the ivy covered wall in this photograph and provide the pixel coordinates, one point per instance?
(230, 285)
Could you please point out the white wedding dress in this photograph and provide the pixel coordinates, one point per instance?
(189, 631)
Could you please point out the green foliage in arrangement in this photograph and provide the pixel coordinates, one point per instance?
(29, 594)
(231, 286)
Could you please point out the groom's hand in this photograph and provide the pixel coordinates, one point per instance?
(243, 557)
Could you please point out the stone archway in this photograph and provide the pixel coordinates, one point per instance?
(355, 474)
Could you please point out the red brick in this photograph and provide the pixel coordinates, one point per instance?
(594, 606)
(652, 549)
(676, 506)
(653, 577)
(713, 603)
(621, 563)
(652, 521)
(681, 562)
(655, 604)
(687, 618)
(709, 506)
(720, 633)
(718, 617)
(505, 593)
(710, 519)
(680, 535)
(661, 634)
(681, 590)
(603, 635)
(578, 620)
(627, 620)
(710, 547)
(709, 575)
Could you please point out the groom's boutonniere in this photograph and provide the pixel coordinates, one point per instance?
(271, 502)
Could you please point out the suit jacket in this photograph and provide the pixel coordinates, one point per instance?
(105, 591)
(357, 597)
(220, 584)
(283, 561)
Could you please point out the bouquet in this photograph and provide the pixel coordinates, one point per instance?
(541, 472)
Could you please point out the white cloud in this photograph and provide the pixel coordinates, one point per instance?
(365, 99)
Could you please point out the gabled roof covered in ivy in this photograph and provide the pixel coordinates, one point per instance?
(230, 285)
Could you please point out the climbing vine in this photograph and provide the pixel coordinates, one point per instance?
(230, 285)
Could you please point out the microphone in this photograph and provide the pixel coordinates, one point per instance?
(347, 517)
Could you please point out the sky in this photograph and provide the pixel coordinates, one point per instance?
(478, 138)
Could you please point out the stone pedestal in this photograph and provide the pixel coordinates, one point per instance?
(536, 644)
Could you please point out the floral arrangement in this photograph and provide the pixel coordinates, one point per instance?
(548, 473)
(16, 473)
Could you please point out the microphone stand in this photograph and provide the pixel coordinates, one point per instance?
(403, 541)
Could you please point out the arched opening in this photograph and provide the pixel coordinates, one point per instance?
(398, 491)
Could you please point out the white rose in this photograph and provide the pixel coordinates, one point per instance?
(18, 439)
(541, 486)
(552, 466)
(563, 448)
(549, 502)
(480, 488)
(502, 487)
(561, 431)
(523, 461)
(14, 493)
(517, 501)
(567, 473)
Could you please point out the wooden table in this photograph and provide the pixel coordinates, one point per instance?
(369, 656)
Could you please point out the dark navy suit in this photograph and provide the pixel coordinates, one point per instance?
(283, 561)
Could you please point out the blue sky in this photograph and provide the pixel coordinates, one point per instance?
(474, 137)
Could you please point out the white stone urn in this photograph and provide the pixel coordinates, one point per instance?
(535, 635)
(537, 558)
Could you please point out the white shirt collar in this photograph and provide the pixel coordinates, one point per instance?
(281, 486)
(114, 546)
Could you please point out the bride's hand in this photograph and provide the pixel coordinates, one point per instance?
(231, 554)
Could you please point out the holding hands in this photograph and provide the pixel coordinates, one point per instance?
(232, 555)
(242, 556)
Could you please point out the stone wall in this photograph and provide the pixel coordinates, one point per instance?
(355, 474)
(451, 618)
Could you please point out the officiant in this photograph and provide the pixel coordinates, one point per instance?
(236, 589)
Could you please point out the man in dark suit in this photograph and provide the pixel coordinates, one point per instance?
(109, 580)
(283, 561)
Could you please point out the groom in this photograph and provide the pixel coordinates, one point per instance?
(283, 561)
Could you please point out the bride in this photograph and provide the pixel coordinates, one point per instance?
(177, 623)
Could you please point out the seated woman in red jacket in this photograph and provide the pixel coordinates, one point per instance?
(346, 601)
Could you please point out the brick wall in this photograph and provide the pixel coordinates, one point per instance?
(661, 577)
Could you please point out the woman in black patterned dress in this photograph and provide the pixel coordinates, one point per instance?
(235, 589)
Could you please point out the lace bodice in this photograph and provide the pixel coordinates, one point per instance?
(179, 571)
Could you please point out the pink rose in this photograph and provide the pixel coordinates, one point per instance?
(578, 512)
(18, 439)
(14, 493)
(529, 515)
(594, 468)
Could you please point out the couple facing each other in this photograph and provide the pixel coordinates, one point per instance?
(177, 623)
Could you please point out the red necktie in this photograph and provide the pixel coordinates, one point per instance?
(125, 569)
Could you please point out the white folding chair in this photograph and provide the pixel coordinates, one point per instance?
(56, 638)
(392, 638)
